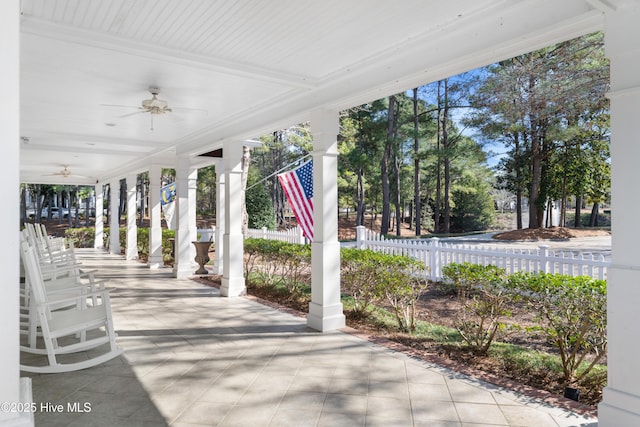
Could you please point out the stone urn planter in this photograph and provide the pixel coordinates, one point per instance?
(202, 256)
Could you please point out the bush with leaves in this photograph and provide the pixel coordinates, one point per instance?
(81, 237)
(260, 260)
(369, 276)
(485, 298)
(294, 261)
(359, 271)
(277, 263)
(403, 282)
(572, 312)
(84, 237)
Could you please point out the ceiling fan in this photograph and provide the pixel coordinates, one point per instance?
(65, 173)
(153, 106)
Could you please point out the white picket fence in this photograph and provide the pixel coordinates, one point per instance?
(436, 254)
(292, 235)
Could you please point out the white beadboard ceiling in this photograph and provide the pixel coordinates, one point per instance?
(233, 69)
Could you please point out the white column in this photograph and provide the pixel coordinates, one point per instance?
(98, 241)
(132, 227)
(325, 309)
(114, 220)
(233, 242)
(621, 398)
(10, 390)
(186, 231)
(155, 227)
(218, 264)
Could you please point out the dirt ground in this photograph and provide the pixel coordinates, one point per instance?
(552, 233)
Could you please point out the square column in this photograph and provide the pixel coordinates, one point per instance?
(621, 398)
(11, 391)
(132, 227)
(114, 223)
(218, 264)
(233, 241)
(325, 309)
(98, 241)
(155, 227)
(186, 231)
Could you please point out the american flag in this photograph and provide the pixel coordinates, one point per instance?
(298, 187)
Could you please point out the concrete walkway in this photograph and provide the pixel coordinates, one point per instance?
(193, 359)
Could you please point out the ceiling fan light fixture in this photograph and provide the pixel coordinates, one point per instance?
(154, 102)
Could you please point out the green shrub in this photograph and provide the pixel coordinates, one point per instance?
(85, 237)
(274, 263)
(369, 276)
(402, 288)
(358, 277)
(81, 237)
(572, 315)
(485, 300)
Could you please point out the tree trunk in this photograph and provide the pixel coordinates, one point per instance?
(535, 219)
(384, 172)
(446, 223)
(107, 197)
(593, 219)
(38, 214)
(360, 207)
(87, 206)
(396, 172)
(436, 212)
(416, 167)
(577, 223)
(519, 209)
(517, 161)
(23, 205)
(360, 197)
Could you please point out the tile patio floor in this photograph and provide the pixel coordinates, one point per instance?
(194, 359)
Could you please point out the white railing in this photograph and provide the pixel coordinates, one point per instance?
(436, 254)
(292, 235)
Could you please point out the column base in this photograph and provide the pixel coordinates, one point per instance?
(325, 318)
(155, 262)
(183, 272)
(23, 418)
(233, 287)
(618, 409)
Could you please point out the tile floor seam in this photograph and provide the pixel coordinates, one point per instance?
(406, 383)
(446, 384)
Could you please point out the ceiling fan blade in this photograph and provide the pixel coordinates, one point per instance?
(118, 106)
(132, 114)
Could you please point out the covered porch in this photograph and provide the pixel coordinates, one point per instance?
(194, 359)
(64, 60)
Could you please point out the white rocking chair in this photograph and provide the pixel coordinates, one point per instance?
(86, 324)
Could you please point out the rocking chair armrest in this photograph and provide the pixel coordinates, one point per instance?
(82, 288)
(53, 268)
(51, 288)
(104, 293)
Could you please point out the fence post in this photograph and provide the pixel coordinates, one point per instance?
(360, 232)
(543, 255)
(434, 259)
(264, 232)
(300, 236)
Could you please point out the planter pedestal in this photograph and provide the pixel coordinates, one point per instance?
(202, 256)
